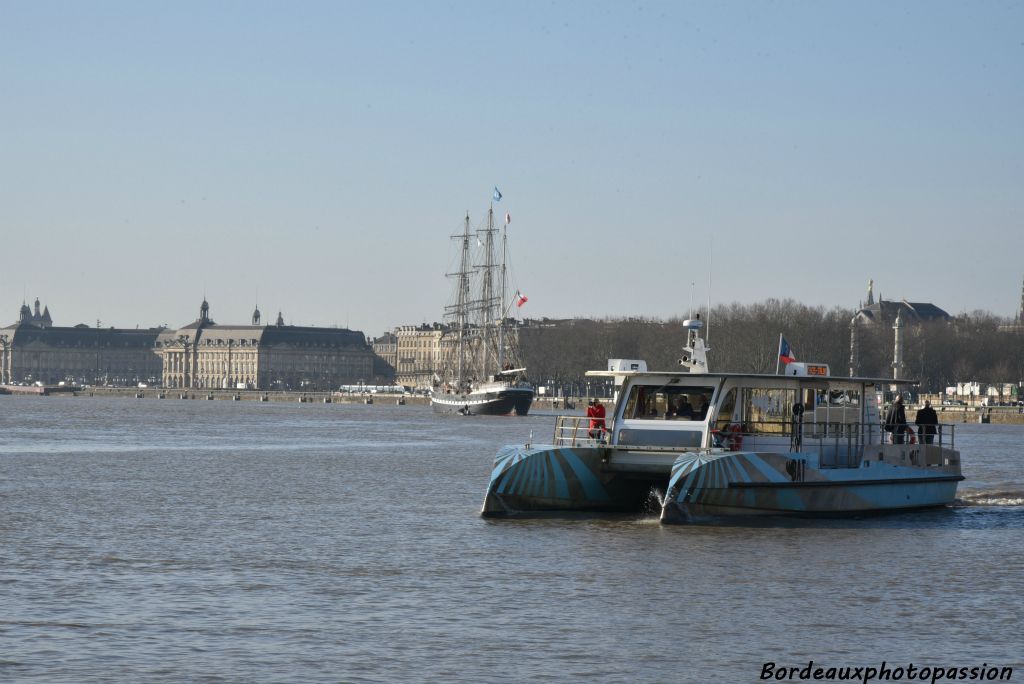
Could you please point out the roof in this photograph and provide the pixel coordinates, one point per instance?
(126, 338)
(885, 311)
(754, 376)
(264, 336)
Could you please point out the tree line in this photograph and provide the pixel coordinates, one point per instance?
(744, 338)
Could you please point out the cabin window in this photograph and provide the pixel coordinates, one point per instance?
(768, 410)
(668, 402)
(726, 412)
(836, 411)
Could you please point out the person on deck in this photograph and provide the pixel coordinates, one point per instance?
(596, 414)
(896, 421)
(926, 422)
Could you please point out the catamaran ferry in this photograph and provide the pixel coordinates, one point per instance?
(803, 442)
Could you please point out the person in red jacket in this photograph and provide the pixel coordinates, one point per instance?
(596, 414)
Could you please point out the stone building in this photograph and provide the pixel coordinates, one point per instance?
(34, 350)
(386, 349)
(896, 315)
(418, 355)
(205, 355)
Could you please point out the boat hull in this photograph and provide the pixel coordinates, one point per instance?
(690, 485)
(738, 483)
(535, 479)
(500, 402)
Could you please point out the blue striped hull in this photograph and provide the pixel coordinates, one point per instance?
(547, 478)
(772, 484)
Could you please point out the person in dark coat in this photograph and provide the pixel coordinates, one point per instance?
(926, 422)
(896, 421)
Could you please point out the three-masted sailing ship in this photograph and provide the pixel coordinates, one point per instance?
(481, 372)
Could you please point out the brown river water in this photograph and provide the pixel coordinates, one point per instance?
(181, 541)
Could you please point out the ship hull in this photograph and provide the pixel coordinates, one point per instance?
(546, 479)
(499, 402)
(709, 483)
(789, 484)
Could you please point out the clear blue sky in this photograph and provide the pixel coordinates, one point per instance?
(316, 155)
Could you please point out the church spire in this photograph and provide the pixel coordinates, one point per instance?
(871, 292)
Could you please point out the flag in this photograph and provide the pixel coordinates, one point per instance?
(497, 194)
(786, 354)
(508, 218)
(520, 299)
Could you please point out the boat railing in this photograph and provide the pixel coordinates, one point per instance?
(575, 431)
(838, 445)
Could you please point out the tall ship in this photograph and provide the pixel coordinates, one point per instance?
(481, 370)
(701, 444)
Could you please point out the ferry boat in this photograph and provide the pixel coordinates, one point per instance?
(481, 372)
(705, 444)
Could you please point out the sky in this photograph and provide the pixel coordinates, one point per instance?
(315, 157)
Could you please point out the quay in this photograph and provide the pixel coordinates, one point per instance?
(1000, 415)
(199, 394)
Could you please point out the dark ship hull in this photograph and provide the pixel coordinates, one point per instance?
(486, 402)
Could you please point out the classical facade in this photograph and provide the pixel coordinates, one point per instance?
(205, 355)
(34, 350)
(386, 349)
(418, 354)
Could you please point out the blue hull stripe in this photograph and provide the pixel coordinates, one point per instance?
(591, 486)
(561, 486)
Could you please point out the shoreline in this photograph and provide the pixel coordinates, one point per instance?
(1000, 415)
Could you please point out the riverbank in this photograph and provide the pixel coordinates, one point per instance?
(259, 396)
(1001, 415)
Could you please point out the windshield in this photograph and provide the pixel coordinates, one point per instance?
(668, 402)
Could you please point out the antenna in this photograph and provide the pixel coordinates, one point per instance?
(711, 269)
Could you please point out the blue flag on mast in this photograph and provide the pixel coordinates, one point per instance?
(497, 194)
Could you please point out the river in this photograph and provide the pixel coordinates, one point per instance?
(169, 541)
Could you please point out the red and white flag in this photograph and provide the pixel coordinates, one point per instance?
(520, 299)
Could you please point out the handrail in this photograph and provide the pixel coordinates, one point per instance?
(839, 439)
(575, 431)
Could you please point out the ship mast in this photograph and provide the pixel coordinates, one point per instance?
(487, 295)
(501, 302)
(463, 301)
(460, 310)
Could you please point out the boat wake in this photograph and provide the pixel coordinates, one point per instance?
(995, 496)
